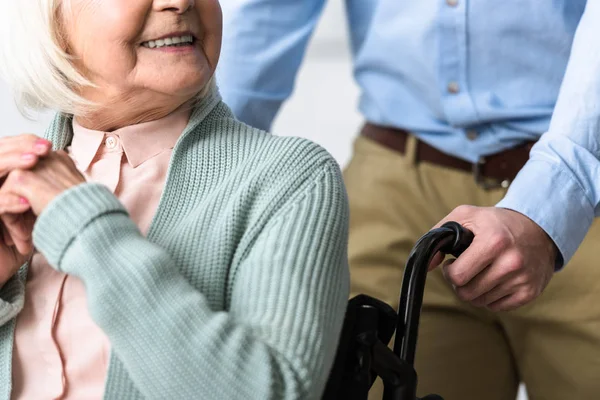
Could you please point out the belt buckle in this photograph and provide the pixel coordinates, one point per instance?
(484, 183)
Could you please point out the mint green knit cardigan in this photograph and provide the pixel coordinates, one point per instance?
(240, 287)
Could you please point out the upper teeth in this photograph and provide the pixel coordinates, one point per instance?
(168, 41)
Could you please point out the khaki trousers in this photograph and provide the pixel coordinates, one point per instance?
(552, 345)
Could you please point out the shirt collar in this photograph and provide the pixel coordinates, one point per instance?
(60, 130)
(85, 145)
(140, 142)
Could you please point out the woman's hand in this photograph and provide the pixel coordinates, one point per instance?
(16, 227)
(42, 183)
(16, 219)
(23, 196)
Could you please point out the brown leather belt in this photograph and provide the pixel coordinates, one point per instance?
(493, 171)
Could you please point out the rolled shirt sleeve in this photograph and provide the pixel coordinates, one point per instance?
(559, 187)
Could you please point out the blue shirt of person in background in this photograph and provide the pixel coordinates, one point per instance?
(459, 74)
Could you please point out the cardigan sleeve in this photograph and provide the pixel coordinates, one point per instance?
(288, 297)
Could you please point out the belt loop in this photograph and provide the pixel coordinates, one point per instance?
(411, 149)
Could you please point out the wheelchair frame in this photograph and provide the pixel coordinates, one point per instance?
(369, 325)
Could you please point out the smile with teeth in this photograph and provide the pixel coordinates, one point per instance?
(175, 41)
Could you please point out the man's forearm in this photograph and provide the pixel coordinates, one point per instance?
(559, 188)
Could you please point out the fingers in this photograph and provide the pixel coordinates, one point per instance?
(19, 231)
(474, 260)
(504, 269)
(29, 219)
(50, 177)
(11, 161)
(512, 302)
(21, 151)
(4, 235)
(16, 228)
(510, 292)
(501, 286)
(501, 291)
(26, 143)
(437, 260)
(12, 204)
(19, 183)
(461, 215)
(492, 239)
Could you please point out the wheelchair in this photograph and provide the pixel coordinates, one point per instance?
(369, 325)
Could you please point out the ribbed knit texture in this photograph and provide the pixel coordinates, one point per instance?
(240, 288)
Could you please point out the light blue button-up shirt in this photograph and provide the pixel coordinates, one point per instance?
(469, 77)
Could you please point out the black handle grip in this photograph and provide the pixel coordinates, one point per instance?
(463, 239)
(451, 238)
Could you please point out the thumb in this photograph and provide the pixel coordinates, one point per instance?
(460, 214)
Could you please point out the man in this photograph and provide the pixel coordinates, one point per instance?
(455, 93)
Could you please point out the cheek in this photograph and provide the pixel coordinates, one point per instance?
(104, 36)
(211, 20)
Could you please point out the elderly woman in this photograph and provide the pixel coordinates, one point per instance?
(160, 249)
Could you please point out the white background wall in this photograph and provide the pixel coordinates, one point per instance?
(322, 108)
(12, 123)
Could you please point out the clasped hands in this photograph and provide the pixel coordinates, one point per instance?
(31, 176)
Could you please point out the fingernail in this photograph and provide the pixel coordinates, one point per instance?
(42, 142)
(41, 146)
(23, 200)
(28, 157)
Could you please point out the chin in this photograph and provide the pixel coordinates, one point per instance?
(183, 89)
(185, 84)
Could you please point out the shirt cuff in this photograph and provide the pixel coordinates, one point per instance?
(69, 214)
(552, 198)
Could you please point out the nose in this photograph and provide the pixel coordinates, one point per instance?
(178, 6)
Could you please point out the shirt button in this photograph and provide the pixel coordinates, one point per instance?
(453, 87)
(452, 3)
(472, 134)
(111, 142)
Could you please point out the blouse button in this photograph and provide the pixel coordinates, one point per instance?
(111, 142)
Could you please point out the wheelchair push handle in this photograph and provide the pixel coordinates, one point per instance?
(452, 238)
(463, 239)
(369, 324)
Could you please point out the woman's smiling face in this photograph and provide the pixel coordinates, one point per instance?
(154, 53)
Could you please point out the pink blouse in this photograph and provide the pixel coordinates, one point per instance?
(59, 352)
